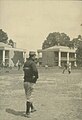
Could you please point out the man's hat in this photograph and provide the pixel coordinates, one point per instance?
(32, 53)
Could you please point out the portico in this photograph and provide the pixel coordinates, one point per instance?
(9, 54)
(58, 56)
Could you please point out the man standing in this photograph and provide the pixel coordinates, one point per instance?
(30, 78)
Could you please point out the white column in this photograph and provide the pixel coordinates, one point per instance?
(24, 56)
(75, 61)
(59, 61)
(38, 54)
(3, 58)
(67, 57)
(10, 58)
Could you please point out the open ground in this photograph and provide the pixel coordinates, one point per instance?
(56, 96)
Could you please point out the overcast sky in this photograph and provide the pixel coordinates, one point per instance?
(28, 23)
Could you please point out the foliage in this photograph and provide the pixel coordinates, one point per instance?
(76, 41)
(3, 36)
(56, 38)
(18, 56)
(79, 52)
(11, 42)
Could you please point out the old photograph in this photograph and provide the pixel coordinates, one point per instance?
(40, 59)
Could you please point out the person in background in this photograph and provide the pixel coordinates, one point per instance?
(69, 68)
(30, 78)
(65, 68)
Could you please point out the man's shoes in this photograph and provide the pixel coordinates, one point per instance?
(33, 110)
(27, 115)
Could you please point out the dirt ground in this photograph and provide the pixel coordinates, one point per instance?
(56, 96)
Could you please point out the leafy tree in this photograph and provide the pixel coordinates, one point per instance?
(64, 40)
(11, 42)
(18, 56)
(79, 51)
(56, 38)
(3, 37)
(76, 41)
(71, 44)
(79, 56)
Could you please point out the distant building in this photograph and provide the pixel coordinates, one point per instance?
(57, 56)
(10, 56)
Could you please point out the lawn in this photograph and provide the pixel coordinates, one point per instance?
(56, 96)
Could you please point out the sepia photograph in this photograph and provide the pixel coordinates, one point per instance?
(40, 59)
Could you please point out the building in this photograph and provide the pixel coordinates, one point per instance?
(10, 56)
(57, 56)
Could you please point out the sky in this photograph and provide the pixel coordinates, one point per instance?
(29, 22)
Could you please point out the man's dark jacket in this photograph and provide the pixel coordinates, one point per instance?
(30, 71)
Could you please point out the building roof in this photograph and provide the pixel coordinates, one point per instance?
(3, 45)
(59, 48)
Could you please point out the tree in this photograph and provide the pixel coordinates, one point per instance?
(11, 42)
(79, 51)
(64, 40)
(3, 37)
(56, 38)
(76, 42)
(18, 56)
(79, 56)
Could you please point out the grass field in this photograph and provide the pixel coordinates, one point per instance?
(56, 96)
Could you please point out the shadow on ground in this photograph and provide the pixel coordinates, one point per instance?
(14, 112)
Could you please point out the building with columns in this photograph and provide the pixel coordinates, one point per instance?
(10, 56)
(57, 56)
